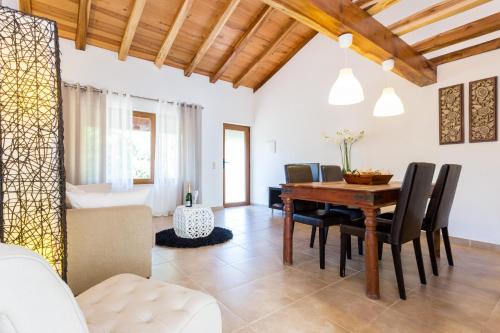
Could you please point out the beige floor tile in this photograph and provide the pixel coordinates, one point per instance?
(230, 321)
(259, 294)
(216, 280)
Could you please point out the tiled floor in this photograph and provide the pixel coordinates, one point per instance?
(258, 294)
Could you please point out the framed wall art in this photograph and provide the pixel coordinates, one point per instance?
(451, 114)
(483, 110)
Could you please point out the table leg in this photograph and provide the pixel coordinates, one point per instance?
(437, 243)
(287, 232)
(371, 254)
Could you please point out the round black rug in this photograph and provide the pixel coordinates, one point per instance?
(169, 238)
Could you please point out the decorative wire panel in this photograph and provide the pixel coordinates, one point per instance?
(32, 206)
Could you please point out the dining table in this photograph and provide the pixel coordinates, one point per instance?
(369, 198)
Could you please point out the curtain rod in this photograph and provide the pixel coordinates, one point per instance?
(133, 96)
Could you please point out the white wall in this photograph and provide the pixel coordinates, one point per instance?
(222, 103)
(292, 109)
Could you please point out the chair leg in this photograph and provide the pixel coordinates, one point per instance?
(326, 233)
(321, 247)
(396, 256)
(447, 245)
(380, 250)
(348, 246)
(343, 253)
(360, 246)
(313, 235)
(432, 252)
(420, 260)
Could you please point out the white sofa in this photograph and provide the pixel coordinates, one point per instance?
(33, 299)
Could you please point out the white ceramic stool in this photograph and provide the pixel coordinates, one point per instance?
(193, 222)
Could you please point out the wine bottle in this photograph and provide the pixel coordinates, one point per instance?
(189, 197)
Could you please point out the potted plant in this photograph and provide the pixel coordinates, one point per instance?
(345, 139)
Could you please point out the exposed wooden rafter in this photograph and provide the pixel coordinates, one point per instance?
(25, 6)
(470, 30)
(231, 6)
(371, 39)
(181, 16)
(82, 24)
(133, 22)
(284, 61)
(266, 53)
(467, 52)
(242, 42)
(380, 6)
(434, 13)
(365, 4)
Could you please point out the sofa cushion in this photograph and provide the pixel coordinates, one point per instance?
(129, 303)
(110, 199)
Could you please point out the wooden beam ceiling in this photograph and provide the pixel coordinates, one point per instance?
(231, 6)
(133, 22)
(371, 39)
(380, 6)
(242, 42)
(365, 4)
(180, 18)
(284, 61)
(25, 6)
(470, 30)
(467, 52)
(82, 24)
(266, 53)
(432, 14)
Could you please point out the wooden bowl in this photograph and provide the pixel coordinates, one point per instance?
(367, 179)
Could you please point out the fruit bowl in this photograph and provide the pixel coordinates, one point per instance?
(367, 178)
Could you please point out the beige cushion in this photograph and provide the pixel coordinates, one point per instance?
(127, 303)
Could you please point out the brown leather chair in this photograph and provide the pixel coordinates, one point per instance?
(438, 211)
(308, 212)
(406, 222)
(333, 173)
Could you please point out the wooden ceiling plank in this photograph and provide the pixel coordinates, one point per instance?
(82, 24)
(180, 18)
(231, 6)
(434, 13)
(465, 32)
(284, 61)
(25, 6)
(371, 39)
(133, 22)
(380, 6)
(270, 50)
(365, 4)
(242, 42)
(467, 52)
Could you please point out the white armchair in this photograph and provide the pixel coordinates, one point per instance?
(33, 299)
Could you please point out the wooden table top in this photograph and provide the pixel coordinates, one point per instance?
(342, 185)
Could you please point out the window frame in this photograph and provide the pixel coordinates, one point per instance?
(152, 118)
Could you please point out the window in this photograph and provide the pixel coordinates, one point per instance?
(143, 147)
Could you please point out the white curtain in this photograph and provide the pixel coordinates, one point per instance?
(119, 169)
(84, 114)
(178, 154)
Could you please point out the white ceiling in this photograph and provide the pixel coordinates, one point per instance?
(405, 8)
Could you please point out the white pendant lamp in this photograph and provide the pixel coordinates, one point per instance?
(389, 104)
(346, 90)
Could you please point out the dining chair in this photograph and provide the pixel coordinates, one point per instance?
(405, 225)
(307, 212)
(333, 173)
(438, 211)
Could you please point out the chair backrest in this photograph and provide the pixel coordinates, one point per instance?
(331, 173)
(410, 208)
(32, 296)
(438, 211)
(300, 173)
(314, 171)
